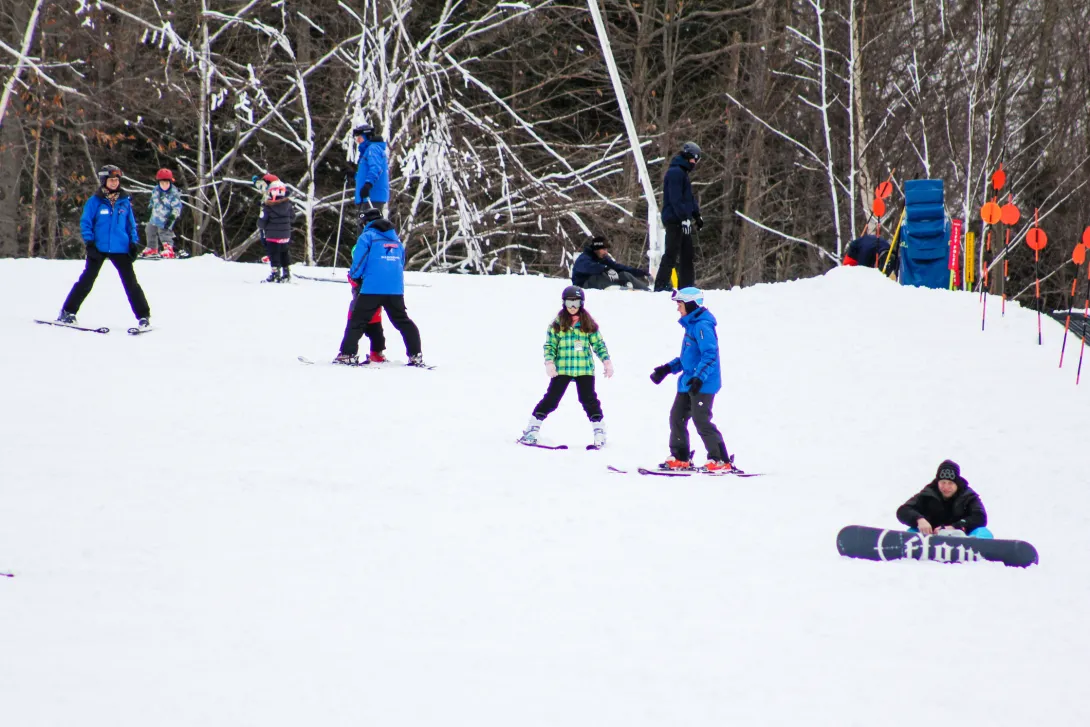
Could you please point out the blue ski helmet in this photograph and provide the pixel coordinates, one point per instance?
(688, 295)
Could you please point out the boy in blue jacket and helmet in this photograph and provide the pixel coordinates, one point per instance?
(699, 381)
(378, 271)
(109, 231)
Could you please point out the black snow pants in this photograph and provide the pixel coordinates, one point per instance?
(698, 408)
(584, 385)
(367, 304)
(678, 253)
(123, 263)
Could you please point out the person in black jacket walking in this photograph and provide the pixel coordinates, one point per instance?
(594, 268)
(946, 506)
(680, 214)
(275, 220)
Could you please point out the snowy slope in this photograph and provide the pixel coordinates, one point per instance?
(205, 532)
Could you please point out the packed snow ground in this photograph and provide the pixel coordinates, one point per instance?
(205, 532)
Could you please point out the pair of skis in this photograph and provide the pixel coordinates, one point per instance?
(131, 331)
(590, 447)
(363, 364)
(656, 472)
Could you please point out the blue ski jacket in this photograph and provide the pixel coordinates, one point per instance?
(378, 260)
(372, 168)
(109, 227)
(678, 202)
(699, 352)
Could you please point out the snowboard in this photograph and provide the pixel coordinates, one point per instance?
(859, 541)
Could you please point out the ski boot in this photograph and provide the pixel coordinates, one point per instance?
(673, 463)
(274, 277)
(143, 324)
(69, 319)
(347, 359)
(150, 253)
(285, 275)
(529, 435)
(376, 357)
(719, 466)
(599, 434)
(168, 252)
(417, 359)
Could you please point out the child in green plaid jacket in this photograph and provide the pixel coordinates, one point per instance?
(571, 343)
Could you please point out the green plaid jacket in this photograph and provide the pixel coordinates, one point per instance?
(571, 350)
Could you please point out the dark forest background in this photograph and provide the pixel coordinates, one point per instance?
(506, 140)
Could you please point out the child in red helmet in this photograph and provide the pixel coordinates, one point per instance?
(277, 215)
(166, 208)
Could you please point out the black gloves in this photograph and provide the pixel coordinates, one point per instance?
(699, 221)
(93, 252)
(365, 191)
(350, 174)
(695, 385)
(660, 373)
(134, 251)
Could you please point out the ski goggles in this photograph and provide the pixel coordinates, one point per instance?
(115, 172)
(572, 303)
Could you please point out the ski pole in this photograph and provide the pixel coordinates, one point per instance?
(8, 575)
(340, 224)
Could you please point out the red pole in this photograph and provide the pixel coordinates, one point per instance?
(1067, 321)
(1085, 313)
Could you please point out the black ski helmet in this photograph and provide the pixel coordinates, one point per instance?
(690, 150)
(370, 215)
(573, 292)
(106, 172)
(364, 130)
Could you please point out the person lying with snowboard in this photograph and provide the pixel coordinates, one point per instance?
(946, 506)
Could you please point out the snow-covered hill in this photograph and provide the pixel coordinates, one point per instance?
(204, 531)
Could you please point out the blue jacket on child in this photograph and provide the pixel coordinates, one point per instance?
(699, 352)
(109, 227)
(378, 260)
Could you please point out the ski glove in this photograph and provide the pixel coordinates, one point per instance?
(699, 221)
(93, 252)
(612, 275)
(550, 369)
(695, 385)
(350, 175)
(687, 227)
(365, 192)
(608, 365)
(660, 373)
(134, 251)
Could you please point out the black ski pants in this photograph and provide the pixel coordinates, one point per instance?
(367, 304)
(123, 263)
(697, 407)
(603, 281)
(373, 329)
(279, 254)
(584, 385)
(679, 254)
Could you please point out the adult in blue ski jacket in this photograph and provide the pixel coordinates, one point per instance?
(595, 268)
(680, 214)
(378, 271)
(698, 383)
(109, 231)
(372, 171)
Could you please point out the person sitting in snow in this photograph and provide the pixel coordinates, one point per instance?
(946, 506)
(595, 268)
(869, 251)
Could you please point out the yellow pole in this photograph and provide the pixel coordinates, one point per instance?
(893, 245)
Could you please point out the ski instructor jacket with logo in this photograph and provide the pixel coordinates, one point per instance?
(699, 352)
(109, 227)
(378, 260)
